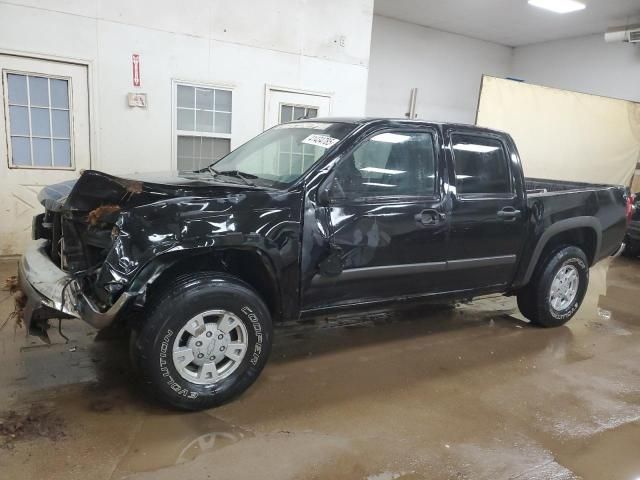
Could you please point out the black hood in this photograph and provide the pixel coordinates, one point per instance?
(94, 189)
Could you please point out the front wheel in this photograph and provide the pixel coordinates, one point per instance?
(557, 289)
(205, 340)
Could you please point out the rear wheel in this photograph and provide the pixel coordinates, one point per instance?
(557, 288)
(205, 340)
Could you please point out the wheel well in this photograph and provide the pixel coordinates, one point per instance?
(247, 265)
(584, 238)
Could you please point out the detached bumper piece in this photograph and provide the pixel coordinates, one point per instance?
(52, 293)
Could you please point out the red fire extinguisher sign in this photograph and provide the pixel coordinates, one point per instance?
(135, 61)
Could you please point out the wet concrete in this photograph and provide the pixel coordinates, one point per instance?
(473, 392)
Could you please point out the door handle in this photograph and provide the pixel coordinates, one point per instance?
(509, 213)
(430, 217)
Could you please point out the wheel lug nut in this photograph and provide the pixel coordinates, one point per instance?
(209, 334)
(211, 358)
(220, 337)
(222, 349)
(198, 344)
(200, 355)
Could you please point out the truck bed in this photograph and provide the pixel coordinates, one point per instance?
(541, 186)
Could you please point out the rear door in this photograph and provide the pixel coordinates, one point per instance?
(386, 219)
(488, 211)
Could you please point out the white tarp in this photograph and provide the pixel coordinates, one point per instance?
(564, 135)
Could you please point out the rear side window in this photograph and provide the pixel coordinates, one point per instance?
(388, 164)
(481, 165)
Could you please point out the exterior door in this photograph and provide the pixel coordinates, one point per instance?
(44, 138)
(283, 105)
(487, 215)
(386, 221)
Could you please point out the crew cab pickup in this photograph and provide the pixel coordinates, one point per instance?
(309, 217)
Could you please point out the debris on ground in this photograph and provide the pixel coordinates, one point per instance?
(97, 215)
(36, 422)
(11, 284)
(19, 302)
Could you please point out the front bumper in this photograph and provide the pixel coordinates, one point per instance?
(53, 293)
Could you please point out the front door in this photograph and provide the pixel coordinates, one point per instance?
(44, 138)
(488, 212)
(282, 105)
(386, 221)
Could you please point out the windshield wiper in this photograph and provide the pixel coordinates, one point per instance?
(236, 173)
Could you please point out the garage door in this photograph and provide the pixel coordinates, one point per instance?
(44, 138)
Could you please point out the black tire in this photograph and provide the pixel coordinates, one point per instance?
(168, 313)
(534, 300)
(631, 249)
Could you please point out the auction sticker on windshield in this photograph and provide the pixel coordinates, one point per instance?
(324, 141)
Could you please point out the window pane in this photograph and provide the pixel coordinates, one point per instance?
(204, 98)
(59, 93)
(204, 121)
(17, 89)
(60, 123)
(19, 119)
(206, 150)
(185, 119)
(312, 113)
(20, 151)
(61, 153)
(223, 123)
(39, 91)
(221, 146)
(40, 122)
(223, 100)
(480, 164)
(389, 164)
(286, 113)
(185, 96)
(185, 153)
(41, 152)
(298, 113)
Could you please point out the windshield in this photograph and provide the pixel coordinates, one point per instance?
(279, 156)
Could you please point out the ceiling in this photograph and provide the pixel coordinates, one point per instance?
(511, 22)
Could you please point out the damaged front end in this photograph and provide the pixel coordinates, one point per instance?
(80, 262)
(72, 239)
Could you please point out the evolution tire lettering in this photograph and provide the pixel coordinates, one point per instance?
(173, 385)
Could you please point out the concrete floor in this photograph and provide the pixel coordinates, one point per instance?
(470, 393)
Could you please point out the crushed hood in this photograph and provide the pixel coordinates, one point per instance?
(94, 189)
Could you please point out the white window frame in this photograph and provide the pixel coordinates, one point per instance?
(192, 133)
(5, 89)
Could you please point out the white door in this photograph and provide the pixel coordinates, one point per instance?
(44, 138)
(282, 105)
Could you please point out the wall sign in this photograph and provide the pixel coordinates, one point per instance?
(135, 62)
(137, 99)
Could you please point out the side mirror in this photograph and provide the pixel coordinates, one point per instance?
(324, 198)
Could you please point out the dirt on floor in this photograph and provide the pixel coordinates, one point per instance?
(473, 392)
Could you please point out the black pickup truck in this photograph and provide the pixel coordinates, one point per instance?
(308, 217)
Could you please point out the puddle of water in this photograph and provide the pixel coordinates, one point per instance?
(173, 439)
(610, 454)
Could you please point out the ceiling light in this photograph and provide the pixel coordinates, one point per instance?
(558, 6)
(390, 138)
(471, 147)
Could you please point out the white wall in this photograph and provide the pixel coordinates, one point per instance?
(446, 68)
(241, 43)
(583, 64)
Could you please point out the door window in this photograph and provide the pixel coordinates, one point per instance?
(39, 121)
(388, 164)
(480, 164)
